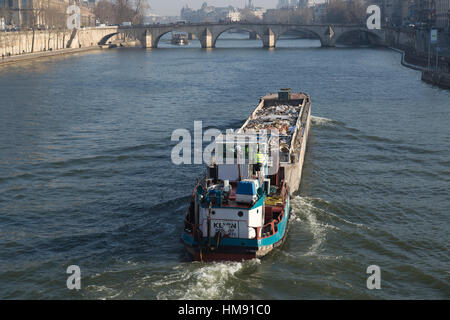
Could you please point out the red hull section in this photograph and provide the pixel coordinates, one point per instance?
(210, 257)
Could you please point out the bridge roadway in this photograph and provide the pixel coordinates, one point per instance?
(208, 33)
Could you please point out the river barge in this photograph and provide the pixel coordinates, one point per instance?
(179, 39)
(241, 208)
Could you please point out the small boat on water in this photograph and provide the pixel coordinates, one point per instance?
(180, 39)
(240, 209)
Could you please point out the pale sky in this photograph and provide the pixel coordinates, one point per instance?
(173, 7)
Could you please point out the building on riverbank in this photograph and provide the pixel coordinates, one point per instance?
(209, 13)
(24, 14)
(206, 13)
(442, 14)
(434, 13)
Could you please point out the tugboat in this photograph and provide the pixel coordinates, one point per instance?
(179, 39)
(240, 209)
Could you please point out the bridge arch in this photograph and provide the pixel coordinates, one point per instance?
(105, 39)
(245, 28)
(159, 36)
(300, 29)
(372, 36)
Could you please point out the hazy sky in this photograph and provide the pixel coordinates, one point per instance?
(173, 7)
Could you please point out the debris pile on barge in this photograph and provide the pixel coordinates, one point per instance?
(282, 117)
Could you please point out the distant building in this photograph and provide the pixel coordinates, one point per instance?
(390, 12)
(396, 12)
(258, 12)
(152, 18)
(204, 14)
(213, 14)
(433, 13)
(442, 14)
(286, 4)
(283, 4)
(320, 12)
(234, 16)
(425, 11)
(42, 13)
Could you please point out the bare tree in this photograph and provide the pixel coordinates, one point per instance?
(299, 15)
(118, 11)
(248, 15)
(140, 9)
(35, 14)
(356, 10)
(124, 11)
(105, 12)
(55, 18)
(341, 11)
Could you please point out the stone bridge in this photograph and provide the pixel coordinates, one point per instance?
(208, 33)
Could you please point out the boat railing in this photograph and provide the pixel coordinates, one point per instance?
(270, 228)
(190, 227)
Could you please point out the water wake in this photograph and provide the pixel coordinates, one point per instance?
(320, 121)
(309, 204)
(304, 211)
(197, 281)
(104, 292)
(211, 281)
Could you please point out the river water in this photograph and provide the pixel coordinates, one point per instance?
(86, 176)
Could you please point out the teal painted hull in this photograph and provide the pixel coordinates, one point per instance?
(236, 248)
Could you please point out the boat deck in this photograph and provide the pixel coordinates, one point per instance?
(273, 200)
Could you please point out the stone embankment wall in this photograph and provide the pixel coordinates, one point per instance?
(415, 42)
(14, 43)
(401, 38)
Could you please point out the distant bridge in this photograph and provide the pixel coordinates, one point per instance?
(208, 33)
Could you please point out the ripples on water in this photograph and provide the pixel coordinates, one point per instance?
(86, 177)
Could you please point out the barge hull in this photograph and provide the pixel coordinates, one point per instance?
(231, 253)
(294, 171)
